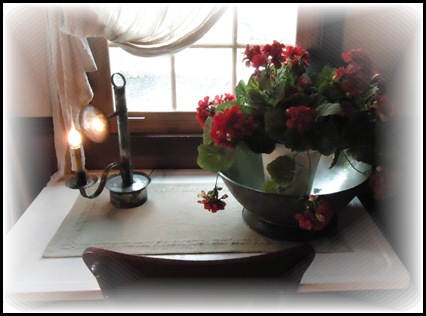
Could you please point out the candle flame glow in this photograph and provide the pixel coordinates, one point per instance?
(74, 137)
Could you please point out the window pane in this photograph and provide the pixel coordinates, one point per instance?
(202, 72)
(148, 86)
(243, 72)
(221, 32)
(263, 23)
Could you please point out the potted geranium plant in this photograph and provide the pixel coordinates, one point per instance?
(334, 112)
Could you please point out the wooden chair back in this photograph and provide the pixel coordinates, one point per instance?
(114, 271)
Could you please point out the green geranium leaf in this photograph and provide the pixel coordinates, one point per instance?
(215, 158)
(265, 82)
(298, 99)
(288, 78)
(207, 139)
(360, 134)
(246, 110)
(332, 91)
(223, 106)
(275, 123)
(254, 94)
(259, 142)
(329, 109)
(325, 77)
(359, 102)
(335, 158)
(371, 92)
(327, 134)
(280, 93)
(240, 91)
(326, 73)
(326, 86)
(282, 171)
(255, 97)
(297, 141)
(271, 187)
(317, 99)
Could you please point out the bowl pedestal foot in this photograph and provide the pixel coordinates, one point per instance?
(283, 232)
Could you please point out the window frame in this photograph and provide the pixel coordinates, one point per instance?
(308, 35)
(170, 122)
(169, 140)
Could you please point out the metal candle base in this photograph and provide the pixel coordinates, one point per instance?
(130, 196)
(80, 182)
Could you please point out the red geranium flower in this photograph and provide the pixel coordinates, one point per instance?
(382, 183)
(227, 97)
(302, 118)
(211, 200)
(353, 79)
(230, 126)
(276, 51)
(250, 53)
(317, 215)
(306, 220)
(383, 108)
(206, 107)
(359, 58)
(296, 55)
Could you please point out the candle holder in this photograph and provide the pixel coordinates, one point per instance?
(127, 188)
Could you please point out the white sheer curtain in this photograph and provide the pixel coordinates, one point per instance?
(140, 29)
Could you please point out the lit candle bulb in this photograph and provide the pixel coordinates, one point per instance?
(74, 139)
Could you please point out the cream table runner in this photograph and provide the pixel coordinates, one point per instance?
(170, 222)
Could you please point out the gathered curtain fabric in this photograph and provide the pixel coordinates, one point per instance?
(145, 30)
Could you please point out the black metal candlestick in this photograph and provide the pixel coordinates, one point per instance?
(123, 130)
(127, 188)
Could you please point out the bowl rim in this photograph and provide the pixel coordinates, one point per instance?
(227, 178)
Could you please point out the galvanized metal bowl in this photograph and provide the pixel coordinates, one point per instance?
(273, 214)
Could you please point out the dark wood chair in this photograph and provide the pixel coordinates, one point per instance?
(121, 274)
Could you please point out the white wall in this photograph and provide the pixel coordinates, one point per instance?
(26, 81)
(387, 34)
(27, 157)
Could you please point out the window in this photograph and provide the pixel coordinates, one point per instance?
(165, 91)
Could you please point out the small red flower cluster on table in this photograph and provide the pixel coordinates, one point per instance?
(211, 200)
(317, 215)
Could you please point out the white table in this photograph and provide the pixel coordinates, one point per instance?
(370, 265)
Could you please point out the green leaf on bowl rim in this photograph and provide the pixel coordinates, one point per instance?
(215, 158)
(282, 171)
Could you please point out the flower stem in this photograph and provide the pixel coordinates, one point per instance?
(347, 159)
(309, 172)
